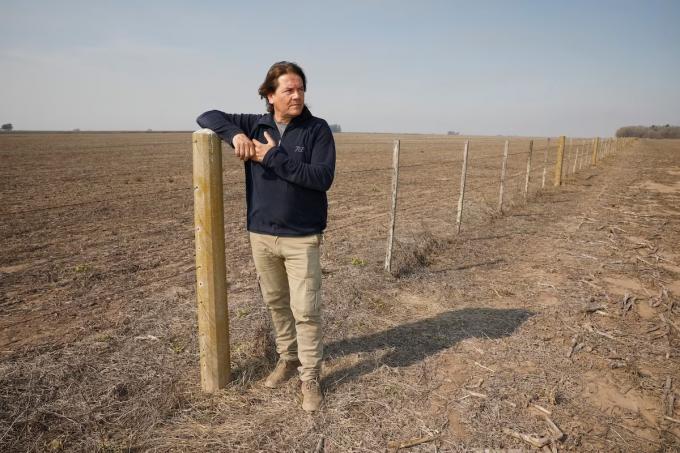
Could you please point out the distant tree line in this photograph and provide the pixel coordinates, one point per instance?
(335, 128)
(666, 131)
(7, 127)
(453, 133)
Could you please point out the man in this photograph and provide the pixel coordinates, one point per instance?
(289, 160)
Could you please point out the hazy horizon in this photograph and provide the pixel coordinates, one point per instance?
(488, 68)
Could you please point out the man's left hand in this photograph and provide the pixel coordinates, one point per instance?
(261, 149)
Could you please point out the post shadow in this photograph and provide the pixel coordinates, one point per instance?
(413, 342)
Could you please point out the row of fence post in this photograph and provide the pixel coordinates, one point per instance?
(599, 151)
(211, 284)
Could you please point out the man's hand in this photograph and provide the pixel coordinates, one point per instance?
(244, 148)
(261, 149)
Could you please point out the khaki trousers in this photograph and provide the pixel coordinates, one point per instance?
(289, 272)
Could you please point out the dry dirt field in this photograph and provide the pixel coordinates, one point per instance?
(565, 308)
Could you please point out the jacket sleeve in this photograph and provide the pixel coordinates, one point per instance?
(227, 125)
(317, 174)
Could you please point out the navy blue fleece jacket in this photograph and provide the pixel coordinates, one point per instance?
(286, 193)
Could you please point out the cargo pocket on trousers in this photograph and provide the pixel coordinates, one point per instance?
(312, 296)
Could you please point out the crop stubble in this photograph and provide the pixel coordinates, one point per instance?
(97, 323)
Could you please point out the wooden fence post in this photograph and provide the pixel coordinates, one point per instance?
(578, 148)
(545, 162)
(559, 162)
(526, 180)
(596, 144)
(503, 168)
(584, 143)
(463, 174)
(393, 212)
(211, 275)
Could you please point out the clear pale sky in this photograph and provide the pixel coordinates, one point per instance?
(580, 68)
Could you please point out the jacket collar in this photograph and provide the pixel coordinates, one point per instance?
(268, 119)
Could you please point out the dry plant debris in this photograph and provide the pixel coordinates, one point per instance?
(473, 332)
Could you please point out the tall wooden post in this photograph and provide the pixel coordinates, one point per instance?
(559, 162)
(393, 212)
(596, 144)
(211, 275)
(526, 180)
(503, 169)
(463, 174)
(545, 162)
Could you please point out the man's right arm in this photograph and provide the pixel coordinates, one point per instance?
(228, 125)
(233, 129)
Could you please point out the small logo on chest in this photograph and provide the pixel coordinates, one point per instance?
(299, 149)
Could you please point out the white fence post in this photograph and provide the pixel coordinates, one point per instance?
(463, 174)
(545, 162)
(393, 212)
(503, 169)
(526, 180)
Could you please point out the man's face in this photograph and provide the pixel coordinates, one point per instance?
(289, 98)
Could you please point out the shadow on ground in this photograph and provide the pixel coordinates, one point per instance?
(410, 343)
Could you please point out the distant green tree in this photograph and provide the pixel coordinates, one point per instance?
(7, 127)
(335, 128)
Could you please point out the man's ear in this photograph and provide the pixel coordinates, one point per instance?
(270, 98)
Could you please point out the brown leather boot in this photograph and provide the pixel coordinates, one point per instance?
(311, 395)
(285, 369)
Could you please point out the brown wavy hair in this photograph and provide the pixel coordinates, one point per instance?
(271, 81)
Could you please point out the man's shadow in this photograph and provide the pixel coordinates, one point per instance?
(409, 343)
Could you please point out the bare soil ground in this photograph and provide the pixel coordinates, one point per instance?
(568, 304)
